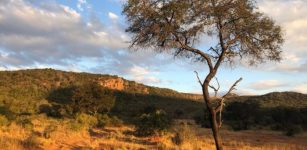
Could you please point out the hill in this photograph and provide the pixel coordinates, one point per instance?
(24, 91)
(275, 99)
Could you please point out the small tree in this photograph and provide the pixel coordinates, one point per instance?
(176, 26)
(91, 98)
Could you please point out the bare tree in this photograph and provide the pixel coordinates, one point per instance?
(241, 32)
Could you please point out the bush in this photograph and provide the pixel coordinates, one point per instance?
(3, 120)
(25, 123)
(86, 119)
(292, 130)
(76, 126)
(183, 134)
(202, 119)
(91, 99)
(153, 123)
(106, 120)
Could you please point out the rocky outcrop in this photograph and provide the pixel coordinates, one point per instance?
(112, 83)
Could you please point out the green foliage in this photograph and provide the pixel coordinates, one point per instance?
(3, 120)
(76, 126)
(92, 98)
(242, 115)
(154, 122)
(106, 120)
(86, 120)
(202, 118)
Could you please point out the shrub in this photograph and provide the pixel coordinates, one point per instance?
(3, 120)
(92, 99)
(86, 119)
(183, 134)
(25, 123)
(106, 120)
(292, 130)
(202, 119)
(152, 123)
(76, 126)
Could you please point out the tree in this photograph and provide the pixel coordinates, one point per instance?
(91, 98)
(176, 27)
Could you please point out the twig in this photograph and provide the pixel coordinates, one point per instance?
(215, 89)
(199, 81)
(220, 107)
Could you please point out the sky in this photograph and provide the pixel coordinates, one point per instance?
(89, 36)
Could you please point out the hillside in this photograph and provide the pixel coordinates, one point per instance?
(24, 91)
(275, 99)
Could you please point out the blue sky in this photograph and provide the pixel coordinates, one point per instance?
(89, 36)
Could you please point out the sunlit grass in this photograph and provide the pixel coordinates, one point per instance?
(16, 137)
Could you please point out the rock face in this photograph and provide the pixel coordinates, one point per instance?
(122, 85)
(112, 83)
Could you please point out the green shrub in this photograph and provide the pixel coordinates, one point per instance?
(202, 119)
(106, 120)
(293, 130)
(154, 122)
(76, 126)
(86, 119)
(91, 99)
(3, 120)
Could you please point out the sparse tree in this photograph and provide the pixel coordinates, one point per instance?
(240, 31)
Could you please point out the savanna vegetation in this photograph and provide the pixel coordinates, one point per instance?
(39, 106)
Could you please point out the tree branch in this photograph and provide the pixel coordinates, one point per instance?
(199, 81)
(195, 51)
(215, 89)
(232, 87)
(219, 108)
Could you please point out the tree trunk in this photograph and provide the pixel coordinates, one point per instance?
(215, 131)
(212, 114)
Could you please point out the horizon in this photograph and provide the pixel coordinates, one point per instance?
(89, 36)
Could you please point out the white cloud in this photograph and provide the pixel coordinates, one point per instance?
(302, 88)
(112, 16)
(53, 34)
(291, 15)
(144, 75)
(266, 84)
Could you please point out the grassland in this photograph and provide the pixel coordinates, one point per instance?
(63, 136)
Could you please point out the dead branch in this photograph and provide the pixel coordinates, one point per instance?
(215, 89)
(220, 107)
(199, 81)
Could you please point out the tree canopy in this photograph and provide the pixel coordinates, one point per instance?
(177, 26)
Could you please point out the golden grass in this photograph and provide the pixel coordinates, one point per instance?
(15, 137)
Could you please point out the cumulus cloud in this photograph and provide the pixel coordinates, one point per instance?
(291, 15)
(52, 34)
(144, 75)
(266, 84)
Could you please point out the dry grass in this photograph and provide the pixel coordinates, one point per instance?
(15, 137)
